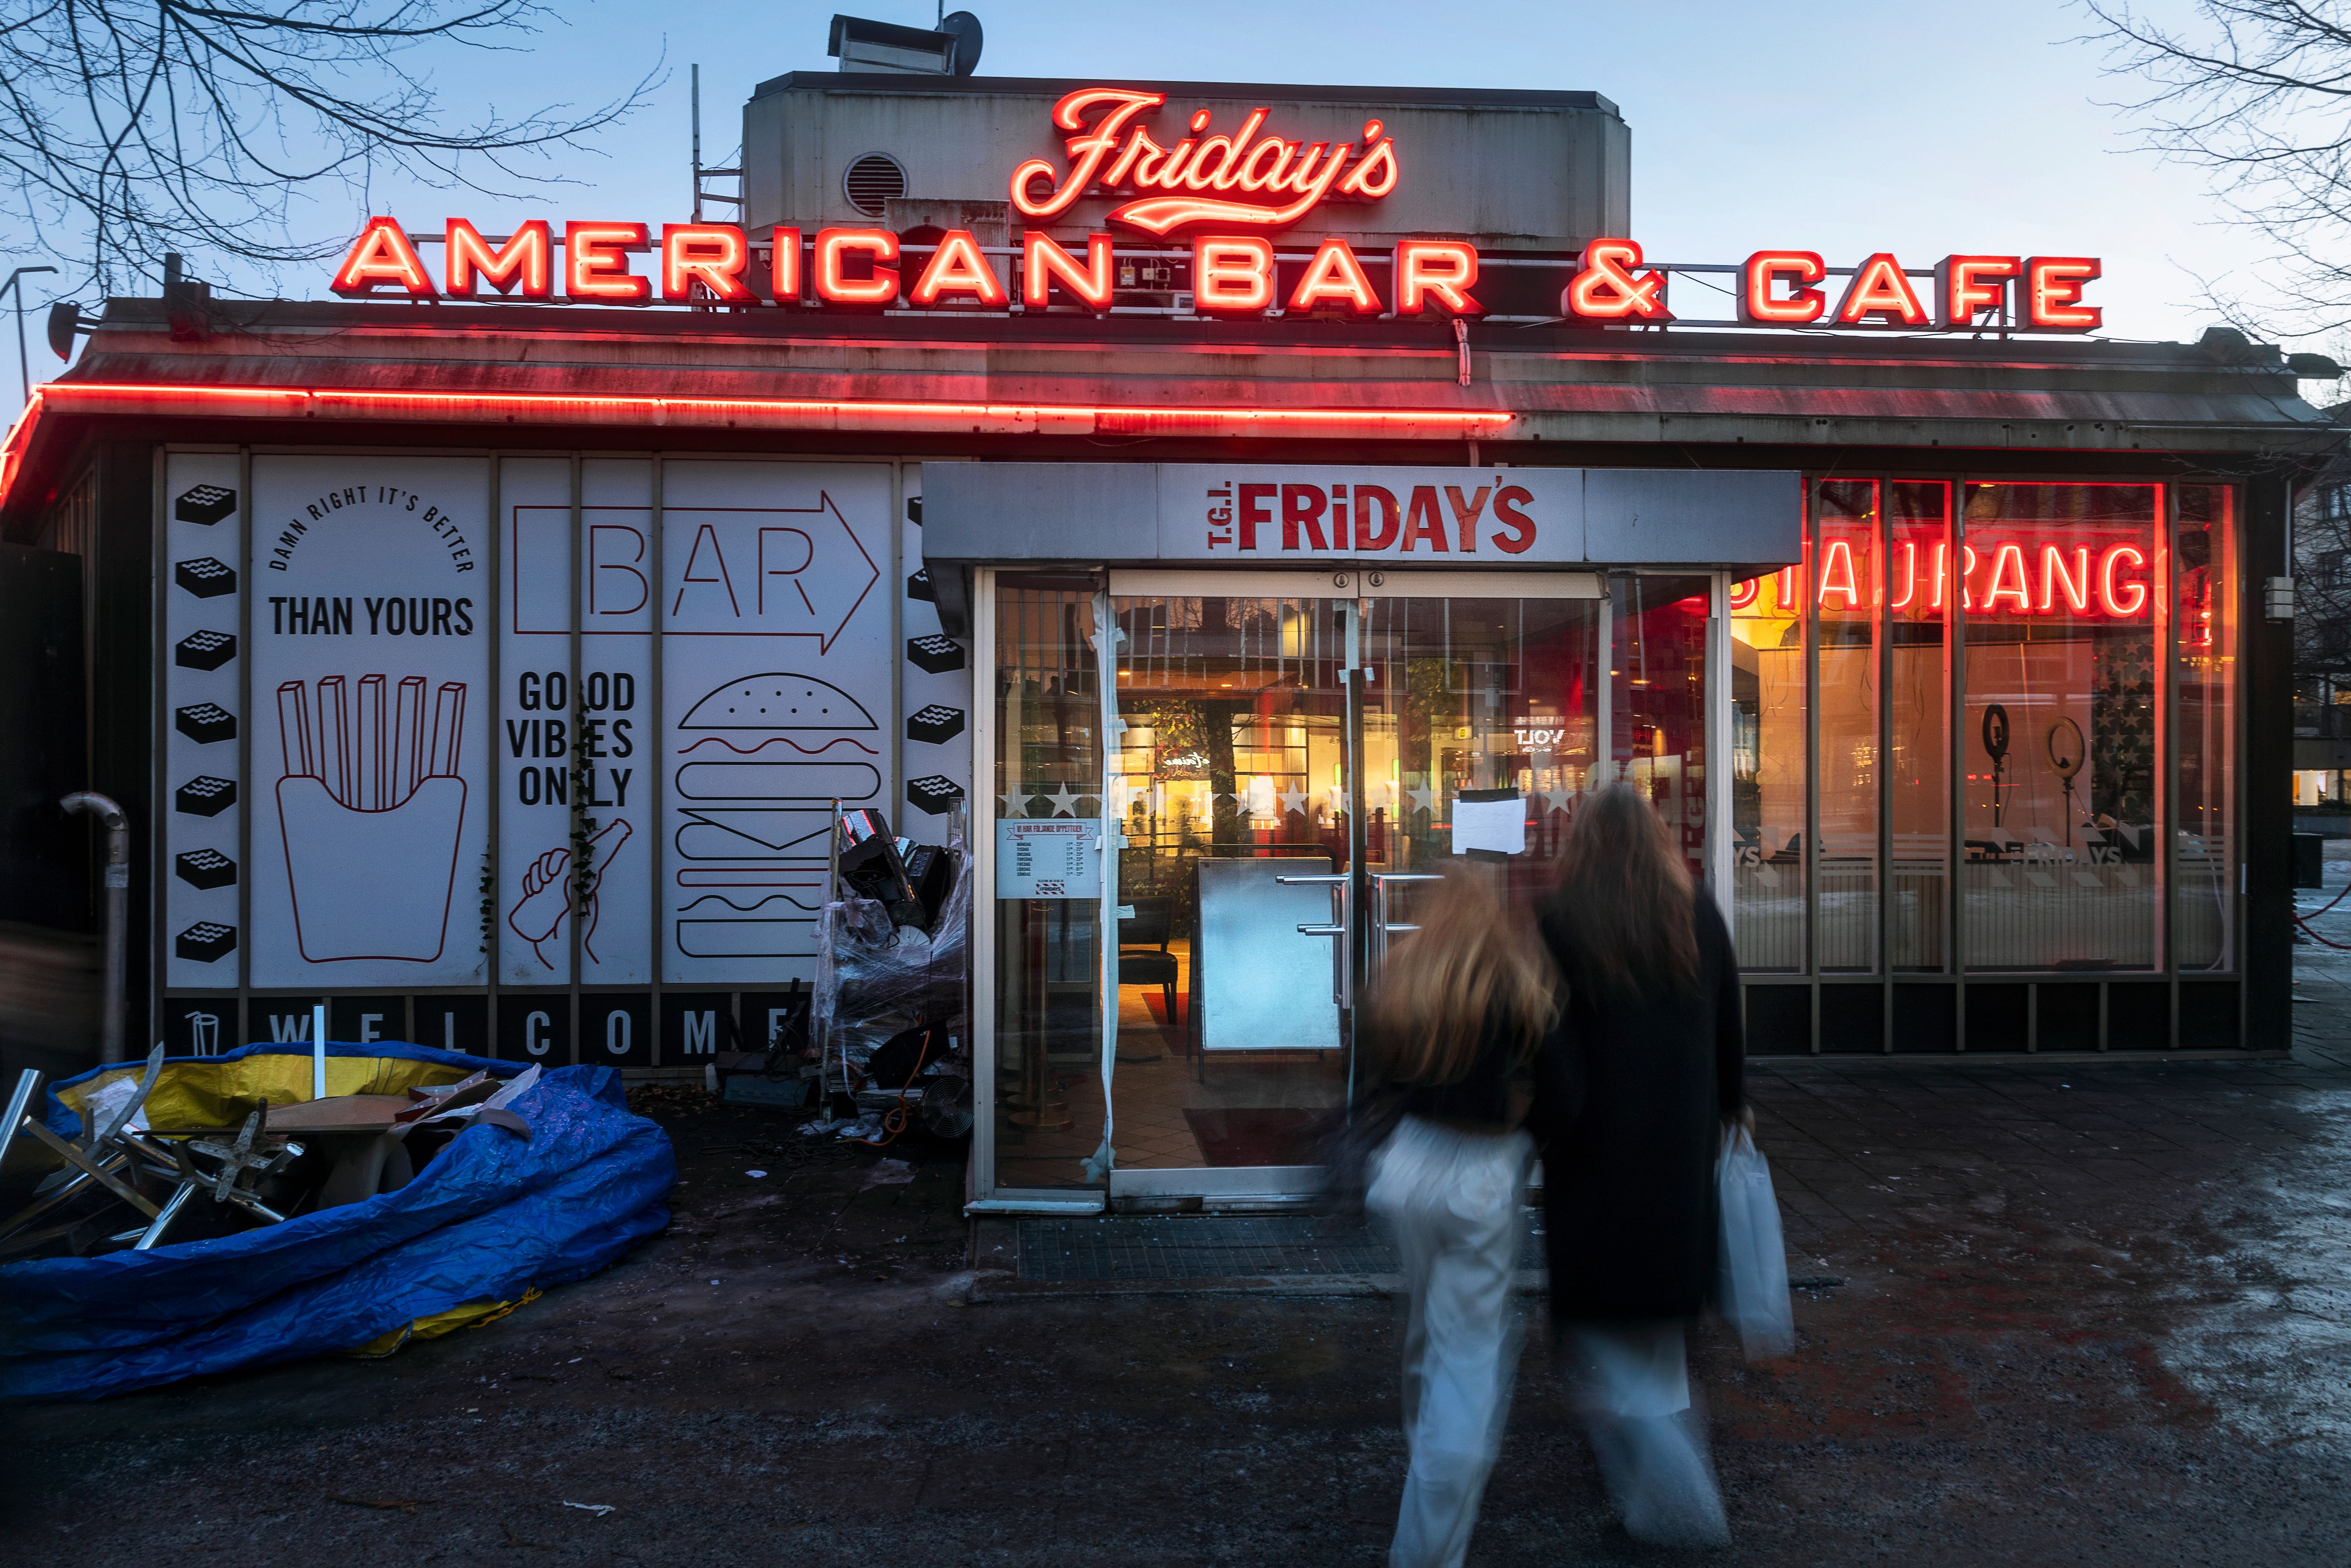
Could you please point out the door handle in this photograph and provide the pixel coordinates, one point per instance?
(1381, 926)
(1342, 964)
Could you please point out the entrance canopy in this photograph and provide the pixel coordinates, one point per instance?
(1259, 515)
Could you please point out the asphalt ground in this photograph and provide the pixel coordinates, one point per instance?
(2088, 1314)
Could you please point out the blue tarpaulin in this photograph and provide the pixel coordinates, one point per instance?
(490, 1218)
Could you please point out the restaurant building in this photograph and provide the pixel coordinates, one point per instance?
(1242, 500)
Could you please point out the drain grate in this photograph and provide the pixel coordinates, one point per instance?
(1122, 1247)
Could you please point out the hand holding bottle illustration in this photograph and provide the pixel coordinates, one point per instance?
(548, 892)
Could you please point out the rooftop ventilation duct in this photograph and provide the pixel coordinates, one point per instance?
(866, 45)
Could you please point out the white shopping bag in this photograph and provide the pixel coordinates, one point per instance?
(1754, 1259)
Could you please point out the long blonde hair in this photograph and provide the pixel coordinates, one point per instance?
(1468, 972)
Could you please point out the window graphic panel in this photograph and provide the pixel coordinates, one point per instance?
(370, 678)
(777, 675)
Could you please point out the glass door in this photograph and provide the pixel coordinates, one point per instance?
(1285, 767)
(1481, 725)
(1232, 779)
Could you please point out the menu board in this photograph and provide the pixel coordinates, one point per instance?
(1047, 858)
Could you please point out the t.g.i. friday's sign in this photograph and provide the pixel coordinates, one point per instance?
(1243, 514)
(1368, 515)
(1497, 518)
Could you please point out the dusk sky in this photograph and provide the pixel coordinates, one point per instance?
(1840, 127)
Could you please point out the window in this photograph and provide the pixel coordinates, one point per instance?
(1990, 726)
(2062, 737)
(1768, 778)
(1048, 768)
(2203, 720)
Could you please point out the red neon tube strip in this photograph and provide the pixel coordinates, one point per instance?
(299, 403)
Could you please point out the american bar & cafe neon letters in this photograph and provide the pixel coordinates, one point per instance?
(1232, 274)
(1197, 183)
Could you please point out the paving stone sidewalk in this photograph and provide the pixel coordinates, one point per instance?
(2090, 1314)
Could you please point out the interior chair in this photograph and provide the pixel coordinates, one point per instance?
(1143, 955)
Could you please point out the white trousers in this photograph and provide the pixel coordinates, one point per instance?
(1453, 1200)
(1651, 1443)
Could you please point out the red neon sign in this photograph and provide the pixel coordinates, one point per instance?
(1607, 282)
(1608, 290)
(2000, 578)
(596, 264)
(1759, 302)
(1966, 285)
(2053, 294)
(1109, 151)
(959, 267)
(383, 255)
(1232, 274)
(784, 266)
(712, 256)
(833, 284)
(1438, 269)
(1334, 276)
(1044, 264)
(1880, 289)
(521, 264)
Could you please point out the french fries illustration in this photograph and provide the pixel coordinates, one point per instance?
(547, 893)
(372, 811)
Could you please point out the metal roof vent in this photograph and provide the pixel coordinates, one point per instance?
(872, 180)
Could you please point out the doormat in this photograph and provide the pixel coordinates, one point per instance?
(1256, 1135)
(1123, 1247)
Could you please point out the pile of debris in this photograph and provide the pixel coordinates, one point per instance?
(202, 1214)
(127, 1183)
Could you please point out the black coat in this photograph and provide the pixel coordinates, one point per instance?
(1630, 1098)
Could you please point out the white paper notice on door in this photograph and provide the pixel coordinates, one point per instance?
(1047, 859)
(1492, 820)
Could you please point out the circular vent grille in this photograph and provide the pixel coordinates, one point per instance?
(872, 180)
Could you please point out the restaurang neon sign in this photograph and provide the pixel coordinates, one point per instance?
(2005, 578)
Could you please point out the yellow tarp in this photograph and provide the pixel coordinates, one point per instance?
(223, 1093)
(472, 1314)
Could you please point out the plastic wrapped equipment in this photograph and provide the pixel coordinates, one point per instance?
(875, 979)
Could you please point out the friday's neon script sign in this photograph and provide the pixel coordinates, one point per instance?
(1238, 179)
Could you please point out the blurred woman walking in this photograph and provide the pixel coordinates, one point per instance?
(1458, 1012)
(1632, 1091)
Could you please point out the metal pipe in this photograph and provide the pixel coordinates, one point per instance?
(162, 1222)
(24, 367)
(20, 1100)
(118, 906)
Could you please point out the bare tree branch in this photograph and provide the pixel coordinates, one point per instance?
(2258, 94)
(132, 128)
